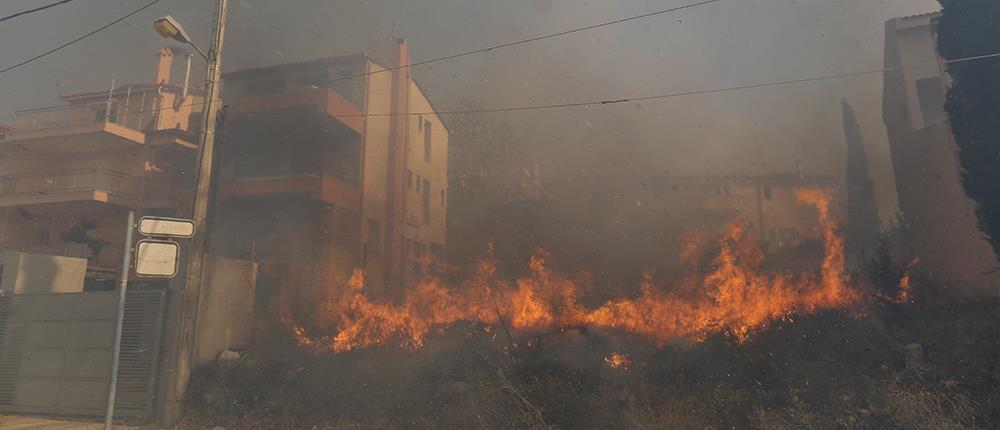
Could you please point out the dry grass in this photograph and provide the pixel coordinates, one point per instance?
(916, 407)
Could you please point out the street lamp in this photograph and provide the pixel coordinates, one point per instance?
(169, 28)
(190, 296)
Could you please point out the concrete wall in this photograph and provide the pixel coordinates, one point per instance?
(374, 176)
(226, 319)
(36, 274)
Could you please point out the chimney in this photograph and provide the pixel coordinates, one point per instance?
(401, 54)
(164, 62)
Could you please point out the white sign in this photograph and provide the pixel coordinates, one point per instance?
(156, 258)
(166, 227)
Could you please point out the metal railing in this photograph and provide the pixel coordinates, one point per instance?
(90, 113)
(71, 180)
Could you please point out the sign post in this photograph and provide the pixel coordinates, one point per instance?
(116, 352)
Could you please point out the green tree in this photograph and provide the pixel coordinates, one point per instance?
(970, 28)
(863, 225)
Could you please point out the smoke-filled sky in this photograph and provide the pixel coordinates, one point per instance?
(732, 42)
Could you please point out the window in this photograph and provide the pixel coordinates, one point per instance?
(442, 198)
(409, 179)
(427, 202)
(418, 183)
(420, 123)
(767, 192)
(427, 141)
(930, 93)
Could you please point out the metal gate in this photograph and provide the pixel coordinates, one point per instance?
(55, 353)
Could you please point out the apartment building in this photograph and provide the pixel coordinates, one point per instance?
(69, 174)
(766, 204)
(329, 165)
(941, 224)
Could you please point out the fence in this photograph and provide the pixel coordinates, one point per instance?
(90, 113)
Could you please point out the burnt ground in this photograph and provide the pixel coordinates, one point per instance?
(827, 370)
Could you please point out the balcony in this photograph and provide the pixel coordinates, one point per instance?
(77, 128)
(325, 188)
(100, 185)
(325, 101)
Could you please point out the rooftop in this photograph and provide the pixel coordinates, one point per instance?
(340, 59)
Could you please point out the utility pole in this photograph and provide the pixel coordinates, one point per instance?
(190, 297)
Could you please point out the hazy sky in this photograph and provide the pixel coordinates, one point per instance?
(728, 43)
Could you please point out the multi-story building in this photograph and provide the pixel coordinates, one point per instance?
(69, 174)
(329, 165)
(941, 226)
(766, 204)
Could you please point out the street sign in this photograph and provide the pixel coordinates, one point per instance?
(166, 227)
(156, 258)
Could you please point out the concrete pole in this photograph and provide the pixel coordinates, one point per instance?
(116, 352)
(191, 296)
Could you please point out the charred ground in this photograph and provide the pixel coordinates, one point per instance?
(828, 370)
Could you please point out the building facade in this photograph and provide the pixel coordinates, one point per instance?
(767, 205)
(330, 165)
(941, 228)
(70, 174)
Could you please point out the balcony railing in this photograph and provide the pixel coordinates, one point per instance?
(91, 113)
(95, 179)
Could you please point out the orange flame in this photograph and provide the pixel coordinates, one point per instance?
(736, 299)
(906, 283)
(618, 360)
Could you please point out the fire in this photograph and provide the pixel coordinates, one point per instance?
(906, 283)
(735, 298)
(618, 360)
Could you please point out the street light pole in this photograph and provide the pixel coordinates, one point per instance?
(192, 293)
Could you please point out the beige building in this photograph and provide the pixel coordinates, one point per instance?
(766, 204)
(941, 224)
(69, 174)
(329, 165)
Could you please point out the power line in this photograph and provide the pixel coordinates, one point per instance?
(64, 45)
(643, 98)
(678, 94)
(523, 41)
(34, 10)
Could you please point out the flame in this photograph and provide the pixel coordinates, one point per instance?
(618, 360)
(735, 298)
(906, 283)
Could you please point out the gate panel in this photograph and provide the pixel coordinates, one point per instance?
(55, 352)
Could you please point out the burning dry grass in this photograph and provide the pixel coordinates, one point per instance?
(825, 370)
(736, 298)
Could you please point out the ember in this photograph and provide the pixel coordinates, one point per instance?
(618, 361)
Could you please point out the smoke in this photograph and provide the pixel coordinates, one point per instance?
(723, 44)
